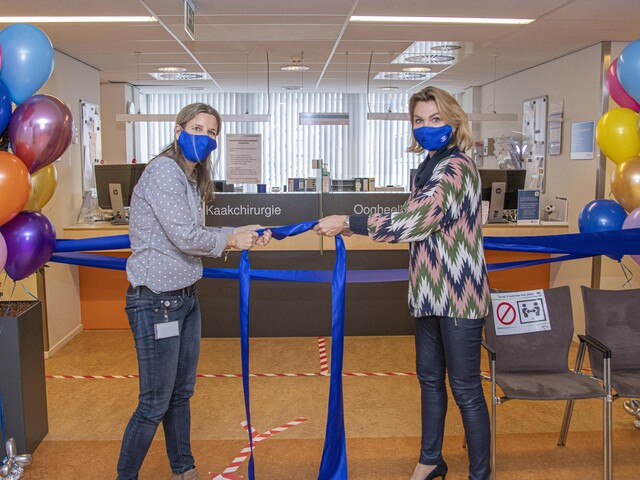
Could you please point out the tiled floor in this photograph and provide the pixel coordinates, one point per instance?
(87, 416)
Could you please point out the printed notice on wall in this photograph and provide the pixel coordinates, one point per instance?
(244, 158)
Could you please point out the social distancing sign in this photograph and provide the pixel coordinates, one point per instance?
(520, 312)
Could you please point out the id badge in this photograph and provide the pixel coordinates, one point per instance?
(166, 330)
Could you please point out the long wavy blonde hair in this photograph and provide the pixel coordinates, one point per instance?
(451, 113)
(202, 171)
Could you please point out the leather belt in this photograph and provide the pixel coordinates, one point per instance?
(183, 292)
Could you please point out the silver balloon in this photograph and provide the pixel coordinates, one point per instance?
(13, 468)
(632, 407)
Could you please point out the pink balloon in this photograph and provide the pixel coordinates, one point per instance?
(633, 221)
(40, 130)
(619, 95)
(3, 252)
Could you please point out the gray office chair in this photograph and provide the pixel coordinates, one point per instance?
(534, 366)
(611, 318)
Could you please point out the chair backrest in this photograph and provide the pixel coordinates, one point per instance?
(545, 351)
(613, 318)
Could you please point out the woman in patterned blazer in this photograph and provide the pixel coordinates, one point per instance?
(448, 285)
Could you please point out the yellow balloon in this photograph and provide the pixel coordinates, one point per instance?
(625, 183)
(617, 134)
(43, 185)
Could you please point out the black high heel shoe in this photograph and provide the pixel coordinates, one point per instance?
(440, 471)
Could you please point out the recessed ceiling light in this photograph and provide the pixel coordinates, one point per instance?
(416, 69)
(296, 66)
(428, 58)
(446, 48)
(172, 69)
(54, 19)
(195, 88)
(494, 21)
(180, 75)
(400, 76)
(291, 87)
(388, 89)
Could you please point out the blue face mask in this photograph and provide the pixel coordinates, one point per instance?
(433, 138)
(196, 148)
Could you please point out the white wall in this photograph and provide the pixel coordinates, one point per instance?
(577, 80)
(117, 137)
(71, 82)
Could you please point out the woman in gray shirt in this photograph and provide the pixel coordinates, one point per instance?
(168, 239)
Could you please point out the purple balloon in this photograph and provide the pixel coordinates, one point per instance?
(40, 130)
(3, 252)
(30, 239)
(633, 221)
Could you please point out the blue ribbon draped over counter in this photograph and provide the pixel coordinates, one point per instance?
(333, 465)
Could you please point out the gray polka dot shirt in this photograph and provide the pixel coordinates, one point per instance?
(167, 231)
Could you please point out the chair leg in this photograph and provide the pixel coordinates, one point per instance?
(568, 410)
(494, 403)
(566, 421)
(607, 422)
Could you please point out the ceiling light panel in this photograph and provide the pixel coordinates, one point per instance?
(179, 76)
(414, 76)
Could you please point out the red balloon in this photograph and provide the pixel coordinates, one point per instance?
(619, 95)
(40, 130)
(15, 186)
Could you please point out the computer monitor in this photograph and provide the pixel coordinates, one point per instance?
(513, 180)
(114, 186)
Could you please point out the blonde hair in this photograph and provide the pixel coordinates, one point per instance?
(451, 113)
(202, 171)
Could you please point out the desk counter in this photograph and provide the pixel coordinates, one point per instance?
(298, 309)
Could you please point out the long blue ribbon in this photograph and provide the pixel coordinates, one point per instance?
(333, 465)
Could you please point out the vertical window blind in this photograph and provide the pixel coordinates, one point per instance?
(364, 148)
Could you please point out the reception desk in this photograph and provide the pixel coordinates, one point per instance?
(291, 308)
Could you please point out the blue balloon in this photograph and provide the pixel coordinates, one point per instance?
(629, 69)
(602, 215)
(27, 60)
(5, 107)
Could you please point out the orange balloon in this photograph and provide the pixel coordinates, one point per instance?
(15, 186)
(625, 183)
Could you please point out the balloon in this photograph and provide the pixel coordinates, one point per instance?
(15, 185)
(616, 134)
(5, 107)
(3, 252)
(629, 69)
(625, 183)
(27, 60)
(619, 95)
(30, 239)
(43, 185)
(601, 215)
(40, 130)
(633, 221)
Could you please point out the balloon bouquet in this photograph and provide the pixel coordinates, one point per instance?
(37, 132)
(618, 136)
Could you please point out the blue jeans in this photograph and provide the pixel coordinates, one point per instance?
(167, 369)
(446, 344)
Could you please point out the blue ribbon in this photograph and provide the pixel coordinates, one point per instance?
(333, 465)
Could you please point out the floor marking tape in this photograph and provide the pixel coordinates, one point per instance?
(239, 375)
(229, 472)
(322, 352)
